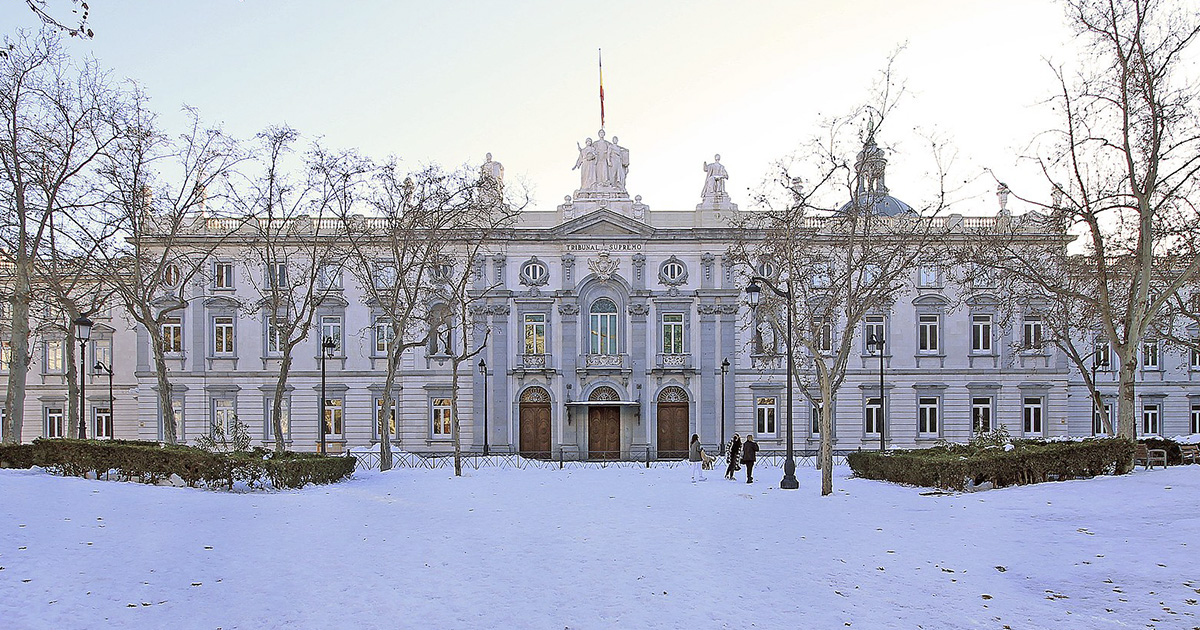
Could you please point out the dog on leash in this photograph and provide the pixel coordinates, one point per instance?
(706, 460)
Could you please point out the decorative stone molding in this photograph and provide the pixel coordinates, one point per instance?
(603, 360)
(639, 309)
(568, 308)
(673, 272)
(534, 273)
(604, 265)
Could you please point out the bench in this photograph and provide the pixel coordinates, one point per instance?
(1189, 453)
(1149, 456)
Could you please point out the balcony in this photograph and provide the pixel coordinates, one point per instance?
(673, 362)
(535, 361)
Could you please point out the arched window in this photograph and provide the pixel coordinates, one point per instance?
(603, 327)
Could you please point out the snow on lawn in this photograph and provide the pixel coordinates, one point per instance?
(600, 548)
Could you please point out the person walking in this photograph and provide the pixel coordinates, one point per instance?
(749, 454)
(735, 451)
(696, 459)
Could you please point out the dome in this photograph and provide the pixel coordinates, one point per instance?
(882, 205)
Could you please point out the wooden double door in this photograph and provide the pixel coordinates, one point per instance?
(604, 432)
(535, 430)
(672, 430)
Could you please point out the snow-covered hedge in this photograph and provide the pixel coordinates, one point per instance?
(1027, 461)
(150, 462)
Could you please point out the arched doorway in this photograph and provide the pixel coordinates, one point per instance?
(534, 419)
(673, 423)
(604, 424)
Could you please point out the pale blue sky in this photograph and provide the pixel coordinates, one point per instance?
(450, 81)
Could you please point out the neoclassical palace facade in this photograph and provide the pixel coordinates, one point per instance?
(616, 331)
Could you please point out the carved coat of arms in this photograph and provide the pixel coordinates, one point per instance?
(604, 265)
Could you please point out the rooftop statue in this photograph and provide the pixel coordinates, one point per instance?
(494, 170)
(602, 165)
(714, 184)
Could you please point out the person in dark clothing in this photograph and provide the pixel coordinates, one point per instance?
(749, 454)
(735, 451)
(696, 459)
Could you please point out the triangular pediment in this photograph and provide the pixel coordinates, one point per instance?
(603, 223)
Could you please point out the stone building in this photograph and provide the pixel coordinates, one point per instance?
(616, 331)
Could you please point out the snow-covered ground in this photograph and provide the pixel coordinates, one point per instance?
(600, 548)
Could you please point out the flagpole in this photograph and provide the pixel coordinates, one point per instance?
(600, 65)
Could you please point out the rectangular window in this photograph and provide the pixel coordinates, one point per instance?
(604, 333)
(1098, 422)
(285, 418)
(55, 423)
(172, 335)
(1102, 356)
(223, 416)
(331, 328)
(1195, 428)
(928, 412)
(982, 277)
(1033, 416)
(981, 414)
(276, 275)
(384, 335)
(101, 353)
(815, 415)
(275, 336)
(441, 417)
(1150, 355)
(5, 355)
(223, 335)
(927, 276)
(873, 416)
(1032, 333)
(1195, 354)
(764, 413)
(1151, 419)
(535, 333)
(873, 327)
(672, 333)
(927, 333)
(385, 276)
(102, 423)
(223, 275)
(379, 413)
(329, 277)
(55, 357)
(981, 334)
(334, 425)
(825, 338)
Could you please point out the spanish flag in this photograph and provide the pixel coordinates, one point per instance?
(600, 63)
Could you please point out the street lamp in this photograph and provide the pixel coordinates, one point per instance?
(112, 414)
(327, 347)
(877, 341)
(483, 373)
(83, 331)
(724, 372)
(753, 296)
(1099, 360)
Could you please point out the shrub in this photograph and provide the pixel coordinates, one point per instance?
(1025, 462)
(149, 462)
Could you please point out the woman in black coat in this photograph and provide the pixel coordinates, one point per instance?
(749, 454)
(735, 451)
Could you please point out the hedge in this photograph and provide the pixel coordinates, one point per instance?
(954, 466)
(150, 462)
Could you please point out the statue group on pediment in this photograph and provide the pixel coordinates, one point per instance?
(602, 165)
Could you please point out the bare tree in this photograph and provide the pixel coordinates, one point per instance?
(836, 262)
(163, 221)
(58, 120)
(290, 244)
(407, 257)
(1124, 171)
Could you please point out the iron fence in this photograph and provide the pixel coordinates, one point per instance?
(475, 460)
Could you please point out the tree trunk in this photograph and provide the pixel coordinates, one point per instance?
(71, 376)
(164, 391)
(389, 381)
(826, 454)
(285, 365)
(454, 420)
(14, 402)
(1127, 400)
